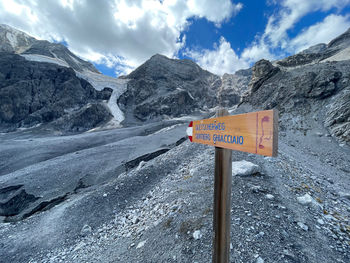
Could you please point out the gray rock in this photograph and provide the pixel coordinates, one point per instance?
(305, 199)
(320, 221)
(141, 244)
(233, 86)
(86, 118)
(344, 195)
(338, 115)
(269, 196)
(302, 58)
(86, 230)
(303, 226)
(197, 234)
(244, 168)
(314, 49)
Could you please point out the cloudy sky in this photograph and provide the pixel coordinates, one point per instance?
(222, 36)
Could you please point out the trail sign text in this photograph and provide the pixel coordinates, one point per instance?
(254, 132)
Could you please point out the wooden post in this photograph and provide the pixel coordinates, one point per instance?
(222, 202)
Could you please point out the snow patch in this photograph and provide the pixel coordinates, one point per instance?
(41, 58)
(99, 82)
(167, 128)
(190, 95)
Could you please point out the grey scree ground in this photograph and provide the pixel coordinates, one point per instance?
(161, 211)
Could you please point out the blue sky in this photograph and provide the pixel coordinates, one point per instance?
(222, 36)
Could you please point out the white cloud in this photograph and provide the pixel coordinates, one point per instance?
(222, 59)
(275, 43)
(215, 13)
(256, 52)
(322, 32)
(290, 13)
(104, 30)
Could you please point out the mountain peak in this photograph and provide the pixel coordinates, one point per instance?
(14, 40)
(159, 56)
(341, 41)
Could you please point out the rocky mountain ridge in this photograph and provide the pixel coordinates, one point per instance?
(34, 69)
(18, 42)
(336, 50)
(33, 93)
(163, 87)
(310, 94)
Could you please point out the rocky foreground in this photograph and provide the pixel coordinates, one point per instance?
(293, 208)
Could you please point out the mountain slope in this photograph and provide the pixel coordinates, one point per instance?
(164, 87)
(33, 93)
(337, 50)
(312, 98)
(13, 41)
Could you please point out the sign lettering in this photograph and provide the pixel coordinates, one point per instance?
(255, 132)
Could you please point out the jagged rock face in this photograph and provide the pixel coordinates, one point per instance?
(33, 92)
(15, 41)
(233, 87)
(299, 59)
(314, 49)
(338, 115)
(167, 87)
(341, 42)
(320, 52)
(90, 116)
(319, 89)
(262, 70)
(45, 48)
(12, 40)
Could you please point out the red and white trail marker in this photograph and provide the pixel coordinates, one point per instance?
(189, 131)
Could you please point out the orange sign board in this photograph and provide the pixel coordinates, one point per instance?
(254, 132)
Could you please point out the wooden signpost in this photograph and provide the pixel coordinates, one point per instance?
(254, 132)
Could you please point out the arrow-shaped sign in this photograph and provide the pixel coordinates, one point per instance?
(254, 132)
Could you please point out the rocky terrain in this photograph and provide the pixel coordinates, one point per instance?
(43, 83)
(311, 98)
(164, 87)
(336, 50)
(15, 41)
(233, 87)
(145, 194)
(34, 93)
